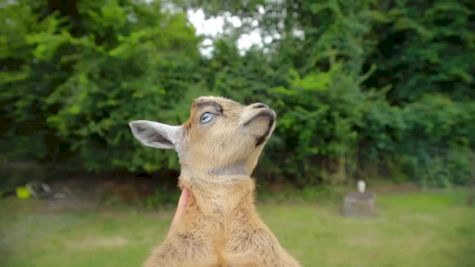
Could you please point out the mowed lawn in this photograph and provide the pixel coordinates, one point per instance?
(412, 229)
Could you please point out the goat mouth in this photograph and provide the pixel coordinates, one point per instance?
(270, 115)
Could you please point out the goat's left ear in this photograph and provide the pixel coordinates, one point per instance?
(156, 134)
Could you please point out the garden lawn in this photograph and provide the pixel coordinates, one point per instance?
(412, 229)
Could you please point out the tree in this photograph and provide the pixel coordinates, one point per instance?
(74, 73)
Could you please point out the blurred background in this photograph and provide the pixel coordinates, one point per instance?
(374, 90)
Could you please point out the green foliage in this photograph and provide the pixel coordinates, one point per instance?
(76, 75)
(428, 139)
(371, 88)
(319, 114)
(426, 47)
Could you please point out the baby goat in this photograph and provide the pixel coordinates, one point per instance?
(218, 148)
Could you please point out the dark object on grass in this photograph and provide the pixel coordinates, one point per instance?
(360, 203)
(38, 189)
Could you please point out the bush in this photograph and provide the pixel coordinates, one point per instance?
(74, 76)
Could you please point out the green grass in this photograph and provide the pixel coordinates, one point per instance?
(412, 229)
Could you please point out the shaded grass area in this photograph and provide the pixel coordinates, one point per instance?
(412, 229)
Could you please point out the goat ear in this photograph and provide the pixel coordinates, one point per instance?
(156, 134)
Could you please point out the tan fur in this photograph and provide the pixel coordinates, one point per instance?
(221, 226)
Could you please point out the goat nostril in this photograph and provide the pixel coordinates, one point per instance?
(259, 105)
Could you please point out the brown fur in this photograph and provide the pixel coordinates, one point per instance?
(221, 226)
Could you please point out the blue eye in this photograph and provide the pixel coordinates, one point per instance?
(206, 117)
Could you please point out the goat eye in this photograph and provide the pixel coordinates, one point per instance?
(206, 117)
